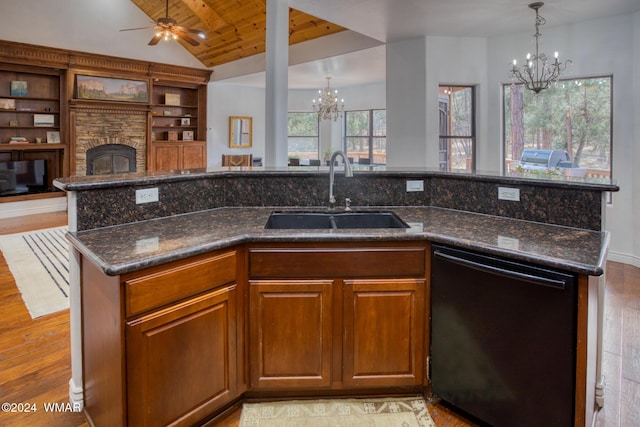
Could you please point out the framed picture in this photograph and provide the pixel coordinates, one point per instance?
(13, 123)
(43, 120)
(18, 88)
(110, 89)
(53, 137)
(172, 99)
(187, 135)
(185, 122)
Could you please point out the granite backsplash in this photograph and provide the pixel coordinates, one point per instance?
(567, 205)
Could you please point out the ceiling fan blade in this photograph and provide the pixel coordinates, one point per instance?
(139, 28)
(154, 41)
(192, 30)
(185, 37)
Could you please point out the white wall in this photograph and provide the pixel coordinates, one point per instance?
(234, 100)
(456, 61)
(226, 100)
(607, 46)
(407, 103)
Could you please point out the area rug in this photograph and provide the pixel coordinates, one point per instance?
(39, 262)
(396, 412)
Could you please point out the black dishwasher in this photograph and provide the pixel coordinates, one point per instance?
(503, 338)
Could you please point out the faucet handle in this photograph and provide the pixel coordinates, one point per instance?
(347, 204)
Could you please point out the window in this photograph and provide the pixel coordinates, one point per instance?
(303, 136)
(366, 136)
(573, 116)
(457, 127)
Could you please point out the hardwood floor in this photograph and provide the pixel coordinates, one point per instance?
(35, 364)
(35, 361)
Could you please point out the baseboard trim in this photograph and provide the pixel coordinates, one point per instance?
(33, 207)
(624, 258)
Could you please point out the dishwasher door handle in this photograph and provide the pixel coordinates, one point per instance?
(531, 278)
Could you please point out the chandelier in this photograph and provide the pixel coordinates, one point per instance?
(327, 106)
(537, 73)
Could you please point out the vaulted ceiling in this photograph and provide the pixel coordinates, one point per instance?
(234, 29)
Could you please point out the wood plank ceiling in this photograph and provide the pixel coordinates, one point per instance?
(235, 28)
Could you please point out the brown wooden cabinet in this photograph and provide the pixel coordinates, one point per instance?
(179, 155)
(163, 345)
(337, 316)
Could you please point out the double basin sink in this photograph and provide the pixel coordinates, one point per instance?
(333, 220)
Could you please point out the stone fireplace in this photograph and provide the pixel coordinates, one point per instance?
(121, 132)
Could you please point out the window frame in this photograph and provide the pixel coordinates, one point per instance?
(505, 167)
(317, 136)
(471, 137)
(370, 133)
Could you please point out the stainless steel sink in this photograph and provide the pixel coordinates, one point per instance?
(333, 220)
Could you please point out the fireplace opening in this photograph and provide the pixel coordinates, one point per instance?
(111, 158)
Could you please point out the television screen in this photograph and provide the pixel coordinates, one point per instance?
(23, 177)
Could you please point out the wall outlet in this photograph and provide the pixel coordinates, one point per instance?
(146, 195)
(506, 193)
(415, 185)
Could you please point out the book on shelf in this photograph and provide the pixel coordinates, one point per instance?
(7, 104)
(18, 140)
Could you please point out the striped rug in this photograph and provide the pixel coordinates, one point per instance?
(39, 262)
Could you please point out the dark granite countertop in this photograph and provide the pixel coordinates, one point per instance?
(80, 183)
(131, 247)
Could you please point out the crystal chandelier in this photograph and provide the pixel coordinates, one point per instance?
(327, 106)
(537, 73)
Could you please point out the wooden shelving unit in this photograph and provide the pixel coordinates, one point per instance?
(31, 109)
(178, 126)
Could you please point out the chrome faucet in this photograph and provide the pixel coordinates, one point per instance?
(347, 173)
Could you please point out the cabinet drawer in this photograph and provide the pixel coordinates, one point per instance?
(173, 284)
(332, 262)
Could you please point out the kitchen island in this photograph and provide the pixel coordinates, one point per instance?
(200, 291)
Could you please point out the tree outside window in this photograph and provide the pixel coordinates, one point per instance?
(457, 128)
(573, 116)
(366, 136)
(303, 136)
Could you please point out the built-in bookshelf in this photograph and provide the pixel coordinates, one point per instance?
(178, 126)
(31, 124)
(29, 106)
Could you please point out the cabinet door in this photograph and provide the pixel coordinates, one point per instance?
(290, 333)
(167, 157)
(181, 361)
(194, 156)
(384, 335)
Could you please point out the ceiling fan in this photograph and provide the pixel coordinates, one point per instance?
(168, 29)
